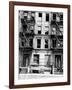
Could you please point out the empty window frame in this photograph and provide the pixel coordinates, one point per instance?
(46, 43)
(38, 43)
(47, 17)
(36, 58)
(40, 14)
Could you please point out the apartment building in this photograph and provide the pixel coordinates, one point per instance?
(40, 42)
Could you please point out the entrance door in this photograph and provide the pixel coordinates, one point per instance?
(47, 60)
(25, 60)
(58, 62)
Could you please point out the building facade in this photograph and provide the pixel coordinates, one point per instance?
(40, 42)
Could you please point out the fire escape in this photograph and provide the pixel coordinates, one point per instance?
(27, 34)
(57, 44)
(26, 40)
(58, 36)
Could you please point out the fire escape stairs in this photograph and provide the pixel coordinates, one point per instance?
(58, 30)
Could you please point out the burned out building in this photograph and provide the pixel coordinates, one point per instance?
(40, 42)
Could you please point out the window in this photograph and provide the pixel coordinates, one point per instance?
(46, 43)
(61, 17)
(31, 42)
(36, 58)
(47, 32)
(40, 14)
(22, 43)
(38, 43)
(25, 17)
(25, 13)
(39, 32)
(22, 20)
(54, 43)
(54, 16)
(47, 17)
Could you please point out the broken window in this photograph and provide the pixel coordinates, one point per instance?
(38, 43)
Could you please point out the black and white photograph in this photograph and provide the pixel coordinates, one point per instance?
(40, 42)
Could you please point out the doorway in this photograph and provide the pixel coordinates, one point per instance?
(58, 62)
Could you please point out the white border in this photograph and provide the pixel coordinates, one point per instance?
(46, 80)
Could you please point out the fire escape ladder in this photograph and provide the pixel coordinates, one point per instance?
(58, 29)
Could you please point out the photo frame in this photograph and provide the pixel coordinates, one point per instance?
(39, 44)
